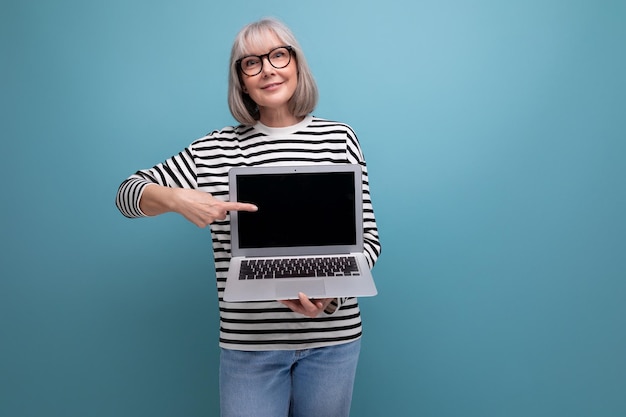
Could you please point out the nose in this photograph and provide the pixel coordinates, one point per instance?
(267, 66)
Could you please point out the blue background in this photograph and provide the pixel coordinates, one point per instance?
(495, 137)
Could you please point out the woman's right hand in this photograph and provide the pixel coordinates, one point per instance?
(199, 207)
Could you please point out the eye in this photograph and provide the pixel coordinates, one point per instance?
(280, 53)
(250, 62)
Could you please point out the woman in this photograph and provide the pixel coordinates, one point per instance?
(283, 358)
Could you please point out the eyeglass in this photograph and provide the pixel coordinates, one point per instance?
(253, 64)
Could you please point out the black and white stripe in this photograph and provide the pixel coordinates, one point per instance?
(204, 165)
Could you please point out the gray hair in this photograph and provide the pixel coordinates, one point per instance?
(242, 107)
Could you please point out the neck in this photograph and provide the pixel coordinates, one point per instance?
(278, 118)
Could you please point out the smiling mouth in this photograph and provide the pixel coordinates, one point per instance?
(270, 86)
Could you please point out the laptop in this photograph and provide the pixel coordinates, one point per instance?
(307, 235)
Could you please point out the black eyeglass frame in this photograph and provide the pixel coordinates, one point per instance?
(262, 59)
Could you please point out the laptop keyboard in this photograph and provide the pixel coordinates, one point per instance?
(298, 267)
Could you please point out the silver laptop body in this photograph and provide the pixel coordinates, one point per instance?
(313, 213)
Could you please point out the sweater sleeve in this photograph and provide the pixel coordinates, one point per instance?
(371, 244)
(178, 171)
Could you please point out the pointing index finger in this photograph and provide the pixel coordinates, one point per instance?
(236, 206)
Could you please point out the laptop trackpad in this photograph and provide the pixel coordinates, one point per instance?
(290, 289)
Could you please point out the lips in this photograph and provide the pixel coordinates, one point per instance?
(270, 86)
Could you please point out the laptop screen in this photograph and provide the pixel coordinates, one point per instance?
(297, 209)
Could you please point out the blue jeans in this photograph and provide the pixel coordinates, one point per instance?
(288, 383)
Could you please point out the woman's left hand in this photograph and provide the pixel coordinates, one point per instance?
(310, 307)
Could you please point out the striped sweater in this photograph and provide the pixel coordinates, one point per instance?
(204, 165)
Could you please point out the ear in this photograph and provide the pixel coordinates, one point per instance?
(244, 88)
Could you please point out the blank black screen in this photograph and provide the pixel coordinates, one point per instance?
(297, 209)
